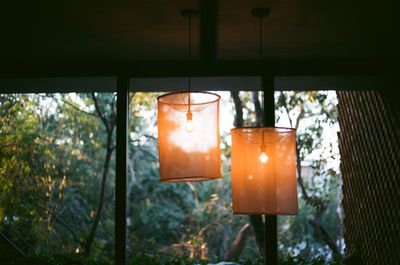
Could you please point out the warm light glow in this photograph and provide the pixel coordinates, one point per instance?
(189, 127)
(77, 250)
(263, 158)
(263, 171)
(188, 137)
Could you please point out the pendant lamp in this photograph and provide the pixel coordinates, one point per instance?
(264, 171)
(263, 165)
(188, 132)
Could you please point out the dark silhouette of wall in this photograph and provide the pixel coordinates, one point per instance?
(369, 145)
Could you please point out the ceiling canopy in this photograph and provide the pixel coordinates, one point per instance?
(125, 31)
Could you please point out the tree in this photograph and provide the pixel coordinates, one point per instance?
(307, 105)
(57, 156)
(52, 152)
(310, 113)
(255, 220)
(105, 110)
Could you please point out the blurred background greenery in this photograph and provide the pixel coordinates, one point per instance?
(57, 181)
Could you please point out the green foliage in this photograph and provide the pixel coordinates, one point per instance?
(313, 114)
(177, 260)
(73, 259)
(174, 218)
(56, 260)
(52, 155)
(318, 260)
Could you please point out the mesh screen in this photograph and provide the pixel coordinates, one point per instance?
(189, 155)
(370, 152)
(264, 185)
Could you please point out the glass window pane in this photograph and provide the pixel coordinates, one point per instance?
(317, 230)
(57, 174)
(190, 219)
(195, 220)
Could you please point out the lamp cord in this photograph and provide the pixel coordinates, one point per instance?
(190, 38)
(260, 37)
(261, 58)
(189, 56)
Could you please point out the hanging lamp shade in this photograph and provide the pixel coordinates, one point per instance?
(264, 171)
(188, 136)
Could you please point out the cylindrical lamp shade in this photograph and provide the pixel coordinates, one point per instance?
(188, 136)
(263, 171)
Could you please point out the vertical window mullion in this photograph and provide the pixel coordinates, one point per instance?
(121, 170)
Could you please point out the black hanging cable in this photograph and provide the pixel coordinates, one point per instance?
(188, 14)
(260, 13)
(261, 58)
(263, 123)
(190, 55)
(260, 37)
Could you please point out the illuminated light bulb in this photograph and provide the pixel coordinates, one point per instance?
(189, 126)
(189, 122)
(263, 157)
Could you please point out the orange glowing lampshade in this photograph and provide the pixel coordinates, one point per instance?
(264, 171)
(188, 136)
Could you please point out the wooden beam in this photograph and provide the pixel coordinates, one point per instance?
(326, 67)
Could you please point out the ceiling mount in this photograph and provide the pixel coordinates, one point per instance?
(260, 12)
(189, 13)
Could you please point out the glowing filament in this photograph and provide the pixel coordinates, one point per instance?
(263, 157)
(189, 122)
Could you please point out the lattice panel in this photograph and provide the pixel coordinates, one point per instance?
(370, 151)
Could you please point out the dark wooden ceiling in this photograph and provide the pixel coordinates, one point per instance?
(126, 31)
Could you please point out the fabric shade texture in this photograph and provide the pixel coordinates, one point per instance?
(188, 136)
(263, 171)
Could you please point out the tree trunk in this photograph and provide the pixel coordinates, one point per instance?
(109, 125)
(106, 167)
(320, 206)
(255, 220)
(239, 243)
(258, 228)
(257, 108)
(321, 231)
(238, 122)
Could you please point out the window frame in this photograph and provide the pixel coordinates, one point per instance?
(124, 84)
